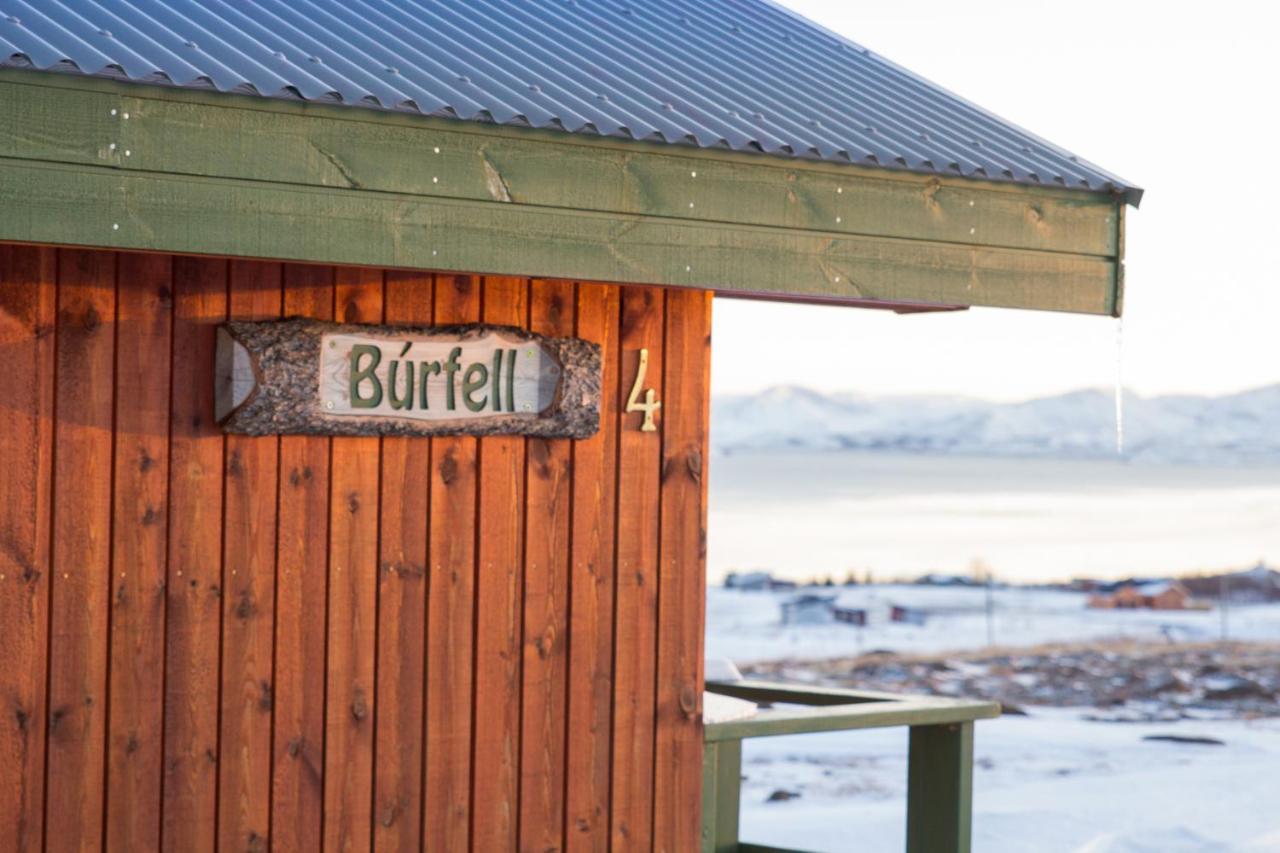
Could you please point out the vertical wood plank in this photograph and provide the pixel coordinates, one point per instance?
(724, 798)
(248, 583)
(144, 316)
(28, 299)
(402, 602)
(495, 808)
(297, 788)
(682, 572)
(591, 590)
(194, 609)
(639, 460)
(353, 596)
(940, 788)
(446, 809)
(82, 553)
(546, 604)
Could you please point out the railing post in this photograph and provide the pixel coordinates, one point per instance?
(940, 789)
(721, 795)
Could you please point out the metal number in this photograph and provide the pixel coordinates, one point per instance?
(650, 404)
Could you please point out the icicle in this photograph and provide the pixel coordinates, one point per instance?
(1119, 386)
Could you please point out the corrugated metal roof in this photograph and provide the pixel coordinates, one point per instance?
(746, 75)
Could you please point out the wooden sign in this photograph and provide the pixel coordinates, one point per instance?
(307, 376)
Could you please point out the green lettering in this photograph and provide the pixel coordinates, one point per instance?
(359, 375)
(425, 368)
(511, 380)
(450, 368)
(405, 402)
(471, 385)
(497, 380)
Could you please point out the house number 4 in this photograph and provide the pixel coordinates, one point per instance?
(650, 404)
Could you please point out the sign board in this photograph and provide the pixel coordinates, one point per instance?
(307, 376)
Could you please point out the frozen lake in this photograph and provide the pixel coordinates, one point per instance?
(807, 514)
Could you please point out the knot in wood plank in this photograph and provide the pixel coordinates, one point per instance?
(359, 707)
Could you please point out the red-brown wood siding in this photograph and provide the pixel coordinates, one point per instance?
(309, 643)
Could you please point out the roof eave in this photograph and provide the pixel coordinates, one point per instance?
(319, 183)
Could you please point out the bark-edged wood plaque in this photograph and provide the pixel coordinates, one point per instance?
(307, 376)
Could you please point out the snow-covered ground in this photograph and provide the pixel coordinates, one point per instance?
(1046, 783)
(745, 626)
(1050, 781)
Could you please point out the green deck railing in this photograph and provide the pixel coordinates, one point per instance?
(939, 762)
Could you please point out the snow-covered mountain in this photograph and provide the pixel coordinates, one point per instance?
(1236, 429)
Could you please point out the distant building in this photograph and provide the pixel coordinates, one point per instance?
(861, 610)
(822, 608)
(935, 579)
(809, 609)
(1166, 596)
(1144, 595)
(747, 581)
(856, 616)
(907, 615)
(758, 581)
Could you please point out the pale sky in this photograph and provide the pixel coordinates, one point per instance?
(1179, 98)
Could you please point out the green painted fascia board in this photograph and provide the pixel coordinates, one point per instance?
(105, 207)
(439, 192)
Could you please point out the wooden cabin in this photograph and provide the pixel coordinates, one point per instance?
(1146, 595)
(279, 620)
